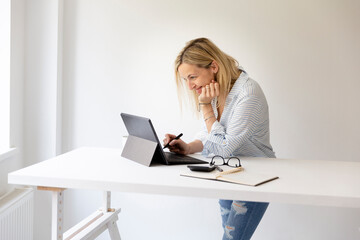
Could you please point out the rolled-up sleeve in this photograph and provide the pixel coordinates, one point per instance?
(242, 123)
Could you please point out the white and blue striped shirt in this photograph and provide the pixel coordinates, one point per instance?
(243, 129)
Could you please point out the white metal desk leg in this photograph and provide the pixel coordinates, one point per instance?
(111, 225)
(57, 215)
(113, 230)
(106, 201)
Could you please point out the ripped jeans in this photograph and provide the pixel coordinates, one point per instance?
(240, 218)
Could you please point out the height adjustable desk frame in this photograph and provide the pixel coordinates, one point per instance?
(91, 227)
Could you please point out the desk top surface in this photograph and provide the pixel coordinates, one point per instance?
(314, 182)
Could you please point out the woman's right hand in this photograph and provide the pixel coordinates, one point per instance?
(177, 146)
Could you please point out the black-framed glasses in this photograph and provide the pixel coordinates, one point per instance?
(231, 162)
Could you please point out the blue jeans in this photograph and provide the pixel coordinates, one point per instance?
(240, 218)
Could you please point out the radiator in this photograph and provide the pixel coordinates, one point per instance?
(17, 215)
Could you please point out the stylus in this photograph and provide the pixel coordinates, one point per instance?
(177, 137)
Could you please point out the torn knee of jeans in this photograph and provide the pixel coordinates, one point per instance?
(239, 207)
(224, 211)
(228, 230)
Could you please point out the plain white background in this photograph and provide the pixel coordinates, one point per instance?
(117, 56)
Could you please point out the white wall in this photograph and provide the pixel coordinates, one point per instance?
(41, 90)
(15, 161)
(5, 10)
(118, 57)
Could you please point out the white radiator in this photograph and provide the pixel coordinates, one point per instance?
(17, 215)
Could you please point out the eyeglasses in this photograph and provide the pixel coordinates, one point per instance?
(231, 162)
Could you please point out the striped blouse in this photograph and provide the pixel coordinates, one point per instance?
(243, 129)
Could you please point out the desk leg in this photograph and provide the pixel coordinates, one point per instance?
(57, 215)
(106, 201)
(111, 225)
(57, 207)
(90, 227)
(113, 230)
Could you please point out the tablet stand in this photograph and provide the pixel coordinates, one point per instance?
(139, 150)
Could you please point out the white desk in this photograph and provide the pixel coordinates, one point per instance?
(326, 183)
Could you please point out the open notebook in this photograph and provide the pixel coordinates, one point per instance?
(240, 177)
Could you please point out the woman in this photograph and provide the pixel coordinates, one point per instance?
(236, 121)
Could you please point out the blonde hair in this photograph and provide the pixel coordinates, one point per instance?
(202, 52)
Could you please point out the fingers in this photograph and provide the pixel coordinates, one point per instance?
(202, 97)
(203, 92)
(175, 142)
(174, 147)
(178, 146)
(209, 92)
(217, 89)
(168, 138)
(175, 150)
(212, 89)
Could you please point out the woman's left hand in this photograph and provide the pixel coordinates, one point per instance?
(209, 92)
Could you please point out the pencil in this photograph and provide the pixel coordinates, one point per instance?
(234, 170)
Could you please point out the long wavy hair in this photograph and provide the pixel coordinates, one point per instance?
(202, 52)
